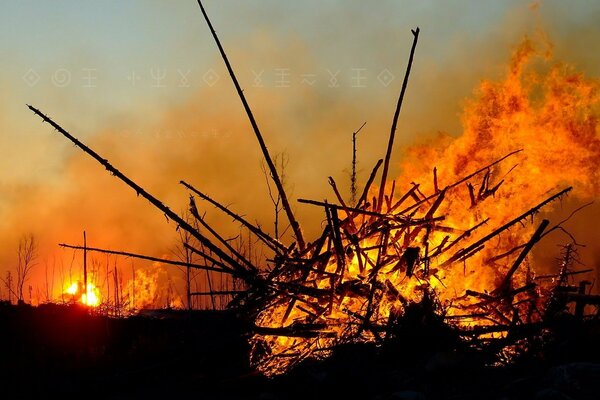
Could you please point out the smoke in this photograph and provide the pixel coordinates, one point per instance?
(204, 138)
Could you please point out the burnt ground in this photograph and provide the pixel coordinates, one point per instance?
(64, 351)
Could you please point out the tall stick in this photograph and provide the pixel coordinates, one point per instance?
(195, 214)
(534, 239)
(268, 240)
(388, 153)
(353, 176)
(140, 191)
(143, 257)
(365, 192)
(274, 175)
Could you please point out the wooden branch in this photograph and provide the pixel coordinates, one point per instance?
(203, 254)
(466, 178)
(194, 212)
(408, 194)
(388, 153)
(392, 217)
(504, 227)
(266, 238)
(138, 189)
(143, 257)
(353, 174)
(342, 202)
(534, 239)
(218, 292)
(365, 192)
(554, 276)
(272, 169)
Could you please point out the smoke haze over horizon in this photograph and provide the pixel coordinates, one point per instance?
(142, 84)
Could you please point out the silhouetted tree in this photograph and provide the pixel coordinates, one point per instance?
(281, 161)
(26, 261)
(8, 282)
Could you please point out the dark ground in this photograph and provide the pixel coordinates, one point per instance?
(63, 351)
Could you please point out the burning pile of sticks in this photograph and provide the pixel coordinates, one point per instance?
(373, 260)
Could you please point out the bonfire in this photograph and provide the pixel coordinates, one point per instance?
(454, 239)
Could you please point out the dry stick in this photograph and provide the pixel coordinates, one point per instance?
(429, 215)
(534, 239)
(408, 194)
(388, 199)
(393, 217)
(466, 178)
(274, 175)
(353, 176)
(194, 212)
(553, 276)
(365, 192)
(478, 244)
(388, 153)
(466, 234)
(268, 240)
(203, 254)
(143, 257)
(341, 200)
(140, 191)
(547, 232)
(218, 292)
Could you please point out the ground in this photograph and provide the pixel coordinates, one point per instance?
(65, 351)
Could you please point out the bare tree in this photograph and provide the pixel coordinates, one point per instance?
(8, 282)
(281, 161)
(26, 261)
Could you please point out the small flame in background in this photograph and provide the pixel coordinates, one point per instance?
(150, 289)
(545, 108)
(89, 297)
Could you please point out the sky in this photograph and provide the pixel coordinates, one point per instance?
(143, 84)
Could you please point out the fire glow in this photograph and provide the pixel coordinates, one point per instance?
(89, 297)
(451, 232)
(543, 129)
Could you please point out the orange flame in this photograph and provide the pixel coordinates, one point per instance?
(91, 298)
(549, 111)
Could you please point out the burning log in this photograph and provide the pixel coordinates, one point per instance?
(534, 239)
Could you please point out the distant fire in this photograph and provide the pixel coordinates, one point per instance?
(78, 293)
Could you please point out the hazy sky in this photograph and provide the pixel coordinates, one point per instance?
(142, 82)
